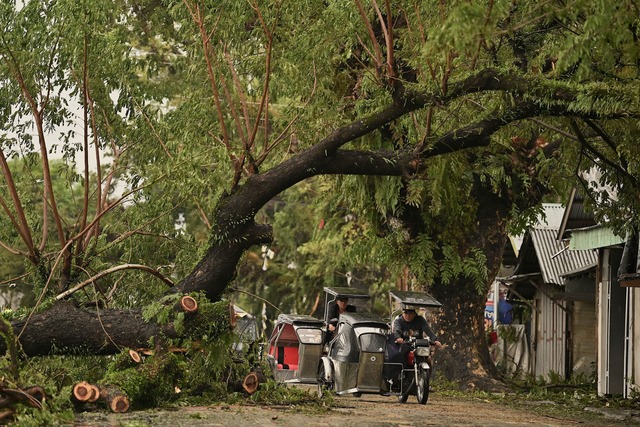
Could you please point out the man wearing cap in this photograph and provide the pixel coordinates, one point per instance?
(410, 324)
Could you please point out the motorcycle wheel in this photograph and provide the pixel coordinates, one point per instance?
(323, 384)
(422, 387)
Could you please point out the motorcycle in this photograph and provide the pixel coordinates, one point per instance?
(416, 372)
(411, 375)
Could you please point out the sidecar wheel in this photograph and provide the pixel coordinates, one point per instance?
(323, 384)
(408, 385)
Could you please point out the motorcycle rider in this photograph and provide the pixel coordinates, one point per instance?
(410, 324)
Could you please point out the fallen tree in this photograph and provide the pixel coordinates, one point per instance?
(506, 94)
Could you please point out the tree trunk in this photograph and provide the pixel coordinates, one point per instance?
(64, 327)
(461, 319)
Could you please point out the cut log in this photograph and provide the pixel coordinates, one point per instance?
(250, 383)
(81, 392)
(11, 396)
(95, 393)
(37, 393)
(145, 351)
(115, 399)
(188, 304)
(135, 356)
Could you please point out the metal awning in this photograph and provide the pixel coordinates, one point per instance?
(580, 271)
(408, 299)
(345, 292)
(299, 319)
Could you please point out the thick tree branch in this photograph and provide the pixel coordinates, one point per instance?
(234, 227)
(64, 327)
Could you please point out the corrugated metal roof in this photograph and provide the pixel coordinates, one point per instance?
(552, 216)
(541, 251)
(554, 258)
(575, 215)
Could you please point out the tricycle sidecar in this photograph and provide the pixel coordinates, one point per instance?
(355, 359)
(295, 346)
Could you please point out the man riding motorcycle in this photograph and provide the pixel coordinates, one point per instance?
(410, 324)
(407, 328)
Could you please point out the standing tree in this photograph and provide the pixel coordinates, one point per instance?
(433, 116)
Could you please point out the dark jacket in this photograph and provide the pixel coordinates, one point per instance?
(418, 327)
(333, 312)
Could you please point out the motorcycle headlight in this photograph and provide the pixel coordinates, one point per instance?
(423, 351)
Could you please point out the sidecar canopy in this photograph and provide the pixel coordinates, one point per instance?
(409, 300)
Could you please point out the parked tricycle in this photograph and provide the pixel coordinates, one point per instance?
(295, 346)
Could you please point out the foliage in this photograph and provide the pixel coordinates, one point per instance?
(176, 105)
(56, 375)
(151, 384)
(274, 393)
(195, 101)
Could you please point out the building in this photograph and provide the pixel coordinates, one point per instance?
(556, 288)
(617, 300)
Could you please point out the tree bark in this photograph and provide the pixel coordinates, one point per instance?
(466, 358)
(64, 328)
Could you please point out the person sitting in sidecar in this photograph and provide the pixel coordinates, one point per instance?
(340, 306)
